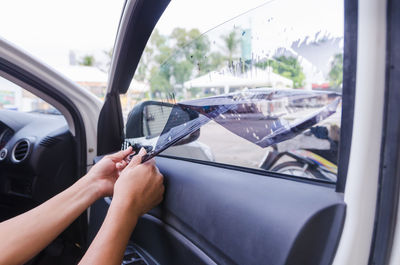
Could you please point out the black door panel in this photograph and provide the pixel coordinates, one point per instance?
(166, 244)
(212, 214)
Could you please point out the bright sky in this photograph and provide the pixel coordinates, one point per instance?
(49, 29)
(204, 14)
(207, 14)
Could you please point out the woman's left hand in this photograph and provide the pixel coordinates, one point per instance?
(107, 171)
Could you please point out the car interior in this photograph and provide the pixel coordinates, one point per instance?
(38, 161)
(41, 155)
(212, 213)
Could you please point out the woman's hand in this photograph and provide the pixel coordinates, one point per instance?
(36, 228)
(140, 186)
(105, 173)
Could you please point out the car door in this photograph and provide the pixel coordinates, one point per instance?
(217, 212)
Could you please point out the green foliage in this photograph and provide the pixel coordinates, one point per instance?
(192, 47)
(212, 63)
(158, 82)
(169, 61)
(87, 60)
(288, 67)
(175, 59)
(336, 72)
(182, 71)
(156, 52)
(232, 41)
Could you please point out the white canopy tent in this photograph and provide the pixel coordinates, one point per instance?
(225, 79)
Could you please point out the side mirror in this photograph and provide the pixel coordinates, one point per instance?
(151, 118)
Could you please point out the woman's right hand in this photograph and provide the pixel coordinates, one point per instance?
(139, 186)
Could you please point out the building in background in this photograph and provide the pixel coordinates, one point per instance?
(89, 77)
(13, 97)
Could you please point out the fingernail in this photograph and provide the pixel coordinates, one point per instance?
(142, 151)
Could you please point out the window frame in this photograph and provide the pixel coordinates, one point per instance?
(347, 116)
(348, 91)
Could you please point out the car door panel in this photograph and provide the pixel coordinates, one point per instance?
(213, 214)
(166, 244)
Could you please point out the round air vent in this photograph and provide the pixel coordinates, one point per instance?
(20, 150)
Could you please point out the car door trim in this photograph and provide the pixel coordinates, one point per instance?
(319, 182)
(179, 237)
(349, 90)
(389, 180)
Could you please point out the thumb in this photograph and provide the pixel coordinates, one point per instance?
(137, 159)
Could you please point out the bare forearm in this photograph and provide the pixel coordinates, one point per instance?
(25, 235)
(111, 240)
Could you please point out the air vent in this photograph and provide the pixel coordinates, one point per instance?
(20, 150)
(49, 141)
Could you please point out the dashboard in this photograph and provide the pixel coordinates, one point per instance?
(37, 160)
(5, 135)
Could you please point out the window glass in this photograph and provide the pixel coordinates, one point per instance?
(13, 97)
(261, 90)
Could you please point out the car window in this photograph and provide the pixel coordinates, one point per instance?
(13, 97)
(261, 89)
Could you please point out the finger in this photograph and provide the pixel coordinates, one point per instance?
(137, 159)
(151, 162)
(158, 172)
(118, 156)
(124, 163)
(121, 165)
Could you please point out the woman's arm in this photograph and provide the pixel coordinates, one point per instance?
(138, 189)
(22, 237)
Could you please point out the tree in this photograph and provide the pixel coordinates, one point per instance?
(177, 57)
(286, 66)
(214, 61)
(170, 60)
(87, 60)
(192, 47)
(232, 41)
(144, 64)
(336, 72)
(158, 82)
(149, 68)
